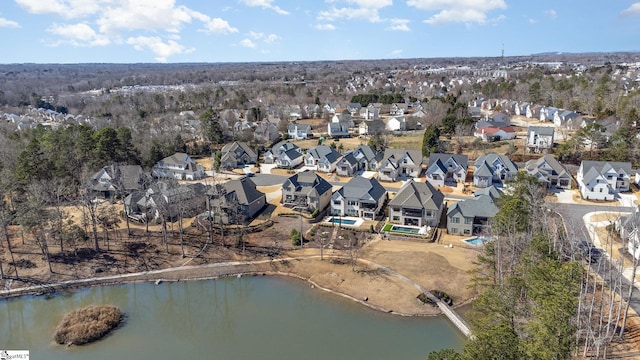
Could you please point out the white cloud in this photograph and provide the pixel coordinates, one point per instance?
(78, 35)
(265, 4)
(396, 52)
(248, 43)
(399, 25)
(350, 14)
(108, 21)
(551, 13)
(271, 38)
(634, 9)
(268, 38)
(8, 23)
(161, 49)
(325, 27)
(532, 21)
(365, 10)
(462, 11)
(69, 9)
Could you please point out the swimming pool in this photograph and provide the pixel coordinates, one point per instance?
(475, 240)
(405, 229)
(342, 221)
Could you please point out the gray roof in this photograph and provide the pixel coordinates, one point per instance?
(489, 191)
(533, 166)
(350, 158)
(305, 181)
(367, 151)
(320, 151)
(479, 206)
(245, 190)
(491, 158)
(461, 160)
(418, 195)
(301, 127)
(593, 169)
(238, 145)
(397, 154)
(362, 188)
(541, 130)
(177, 158)
(293, 154)
(283, 146)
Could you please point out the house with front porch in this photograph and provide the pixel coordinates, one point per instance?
(399, 164)
(272, 154)
(306, 191)
(178, 166)
(299, 131)
(603, 180)
(493, 169)
(447, 169)
(328, 163)
(313, 156)
(540, 138)
(362, 158)
(416, 204)
(472, 216)
(371, 127)
(237, 154)
(550, 172)
(289, 159)
(360, 197)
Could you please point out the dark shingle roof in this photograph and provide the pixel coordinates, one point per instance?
(418, 195)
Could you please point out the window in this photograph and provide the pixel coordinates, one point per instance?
(352, 203)
(454, 230)
(455, 220)
(468, 221)
(467, 232)
(428, 213)
(396, 218)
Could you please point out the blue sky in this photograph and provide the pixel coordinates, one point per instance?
(133, 31)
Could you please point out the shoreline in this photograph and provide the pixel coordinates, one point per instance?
(212, 272)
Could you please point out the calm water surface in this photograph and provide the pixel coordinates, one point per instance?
(247, 318)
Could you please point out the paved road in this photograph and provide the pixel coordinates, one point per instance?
(577, 230)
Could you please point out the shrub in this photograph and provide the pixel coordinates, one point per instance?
(315, 213)
(295, 237)
(425, 300)
(313, 230)
(87, 324)
(371, 229)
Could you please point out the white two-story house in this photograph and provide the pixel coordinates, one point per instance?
(602, 180)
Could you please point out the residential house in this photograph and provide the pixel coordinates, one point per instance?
(420, 114)
(165, 200)
(369, 113)
(549, 171)
(398, 109)
(400, 164)
(354, 109)
(339, 126)
(371, 127)
(447, 169)
(475, 112)
(533, 111)
(235, 201)
(289, 159)
(494, 133)
(396, 123)
(540, 138)
(330, 108)
(329, 161)
(116, 179)
(548, 113)
(416, 204)
(299, 131)
(493, 169)
(472, 216)
(520, 108)
(237, 154)
(360, 197)
(361, 158)
(272, 154)
(266, 132)
(602, 180)
(314, 155)
(306, 191)
(629, 228)
(313, 110)
(178, 166)
(561, 117)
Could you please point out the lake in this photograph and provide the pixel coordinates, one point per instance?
(230, 318)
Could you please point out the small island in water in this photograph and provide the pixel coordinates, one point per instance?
(88, 324)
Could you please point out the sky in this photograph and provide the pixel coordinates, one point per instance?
(179, 31)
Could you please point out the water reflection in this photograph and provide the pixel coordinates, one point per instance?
(266, 318)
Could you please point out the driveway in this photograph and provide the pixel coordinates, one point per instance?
(627, 200)
(564, 196)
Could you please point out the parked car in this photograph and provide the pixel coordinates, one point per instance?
(589, 252)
